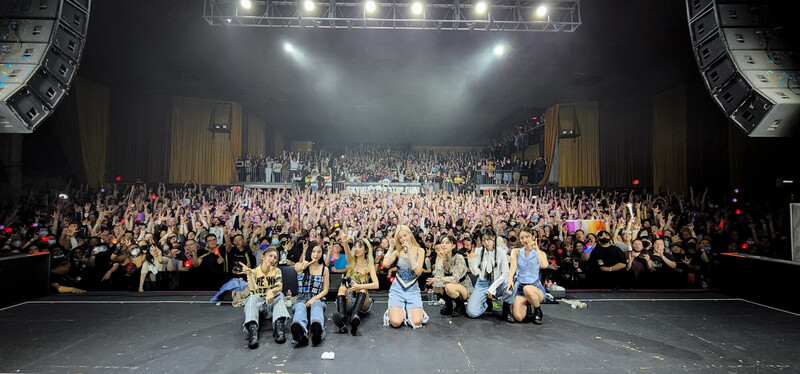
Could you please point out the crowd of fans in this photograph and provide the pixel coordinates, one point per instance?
(449, 171)
(189, 238)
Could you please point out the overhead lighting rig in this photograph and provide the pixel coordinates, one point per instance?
(457, 15)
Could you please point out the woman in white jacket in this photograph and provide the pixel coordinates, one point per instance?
(490, 264)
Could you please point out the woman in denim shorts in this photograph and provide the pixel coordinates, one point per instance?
(525, 264)
(405, 302)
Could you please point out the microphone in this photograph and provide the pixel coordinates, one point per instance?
(405, 249)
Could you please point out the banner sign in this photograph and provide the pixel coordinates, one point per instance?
(400, 188)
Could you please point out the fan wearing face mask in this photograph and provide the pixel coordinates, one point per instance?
(606, 260)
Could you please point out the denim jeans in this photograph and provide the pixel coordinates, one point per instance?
(476, 304)
(254, 306)
(300, 315)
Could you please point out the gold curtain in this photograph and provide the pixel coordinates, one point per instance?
(256, 141)
(92, 103)
(300, 145)
(550, 137)
(527, 154)
(445, 148)
(278, 142)
(578, 158)
(196, 153)
(669, 140)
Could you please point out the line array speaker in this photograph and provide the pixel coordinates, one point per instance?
(40, 51)
(747, 53)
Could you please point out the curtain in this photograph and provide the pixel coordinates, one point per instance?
(256, 141)
(278, 142)
(92, 101)
(626, 149)
(300, 145)
(707, 145)
(578, 158)
(550, 136)
(446, 149)
(196, 153)
(669, 140)
(140, 136)
(63, 124)
(236, 135)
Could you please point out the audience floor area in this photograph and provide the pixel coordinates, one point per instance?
(619, 332)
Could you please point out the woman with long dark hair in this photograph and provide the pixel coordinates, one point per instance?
(312, 286)
(450, 280)
(353, 299)
(490, 263)
(405, 302)
(526, 262)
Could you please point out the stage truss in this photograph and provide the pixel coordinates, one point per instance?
(455, 15)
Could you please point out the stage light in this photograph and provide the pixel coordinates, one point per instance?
(416, 8)
(635, 182)
(119, 178)
(499, 50)
(228, 20)
(370, 6)
(735, 199)
(735, 190)
(738, 211)
(246, 4)
(309, 5)
(153, 196)
(288, 47)
(480, 7)
(63, 196)
(541, 11)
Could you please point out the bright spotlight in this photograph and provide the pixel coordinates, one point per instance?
(541, 11)
(480, 7)
(416, 8)
(288, 47)
(499, 50)
(246, 4)
(309, 5)
(370, 6)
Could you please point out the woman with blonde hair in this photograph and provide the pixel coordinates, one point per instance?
(405, 302)
(360, 276)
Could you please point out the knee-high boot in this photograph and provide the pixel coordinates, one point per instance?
(355, 319)
(340, 316)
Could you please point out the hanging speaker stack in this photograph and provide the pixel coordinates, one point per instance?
(41, 43)
(747, 52)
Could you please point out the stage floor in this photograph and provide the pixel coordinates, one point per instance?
(621, 332)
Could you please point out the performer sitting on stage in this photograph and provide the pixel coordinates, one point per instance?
(490, 264)
(360, 277)
(405, 302)
(525, 264)
(312, 286)
(450, 280)
(266, 285)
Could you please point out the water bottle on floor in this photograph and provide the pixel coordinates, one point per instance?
(288, 299)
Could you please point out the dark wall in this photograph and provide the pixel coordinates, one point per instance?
(707, 150)
(626, 141)
(139, 136)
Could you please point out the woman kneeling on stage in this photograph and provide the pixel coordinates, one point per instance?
(405, 302)
(266, 285)
(353, 300)
(490, 263)
(525, 264)
(312, 286)
(450, 280)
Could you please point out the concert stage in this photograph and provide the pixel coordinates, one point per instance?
(622, 332)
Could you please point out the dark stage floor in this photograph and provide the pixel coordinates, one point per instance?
(617, 333)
